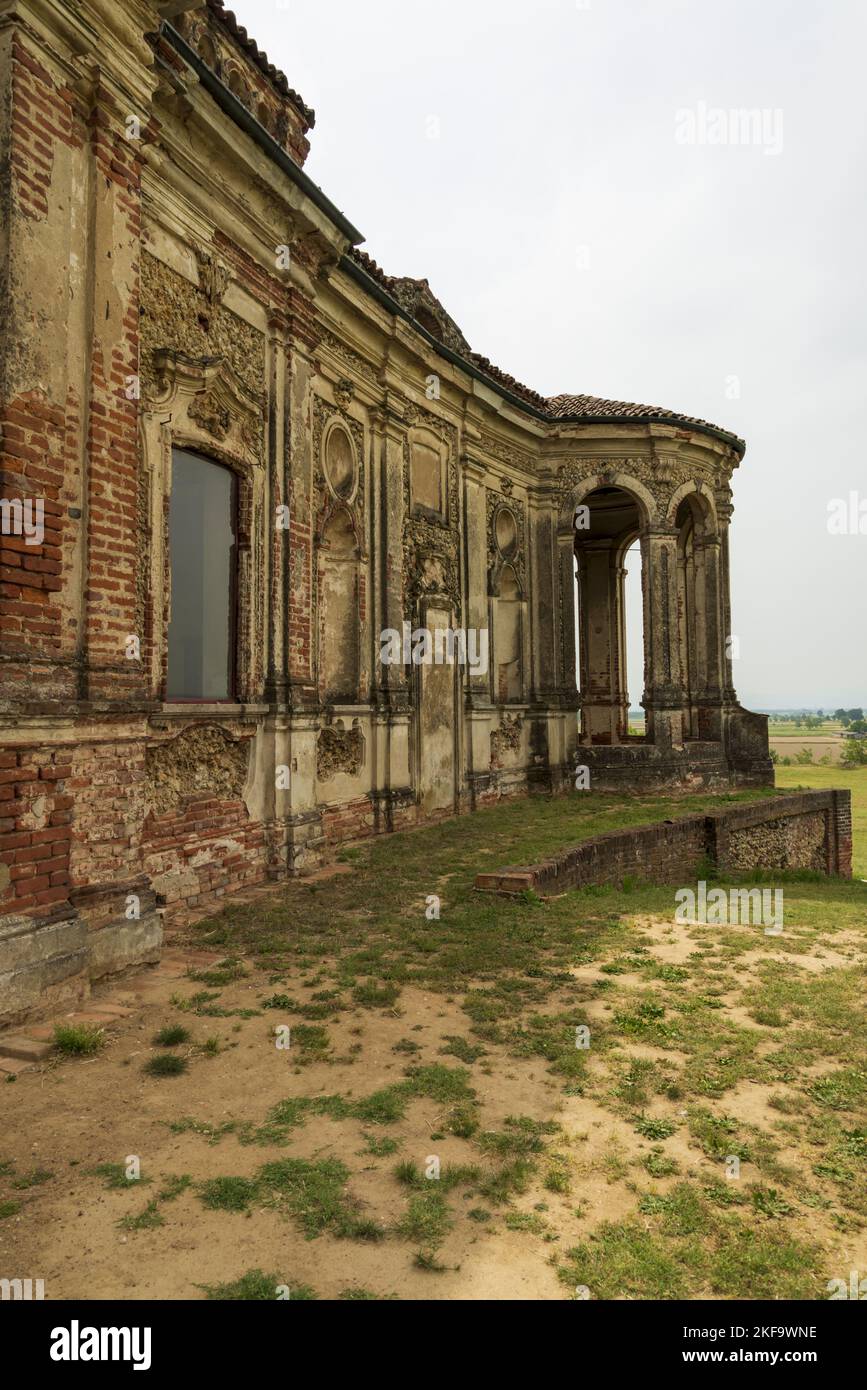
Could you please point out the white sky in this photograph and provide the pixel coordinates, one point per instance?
(583, 248)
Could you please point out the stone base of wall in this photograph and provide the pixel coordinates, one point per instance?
(806, 830)
(698, 765)
(46, 966)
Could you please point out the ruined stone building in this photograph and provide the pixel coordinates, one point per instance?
(235, 452)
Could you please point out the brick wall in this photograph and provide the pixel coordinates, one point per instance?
(808, 830)
(35, 830)
(196, 854)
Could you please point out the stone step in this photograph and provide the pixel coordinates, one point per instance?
(43, 1031)
(25, 1049)
(13, 1066)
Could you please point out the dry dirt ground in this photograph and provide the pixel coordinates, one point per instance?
(561, 1169)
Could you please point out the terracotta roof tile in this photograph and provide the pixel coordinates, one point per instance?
(511, 383)
(277, 78)
(367, 263)
(564, 407)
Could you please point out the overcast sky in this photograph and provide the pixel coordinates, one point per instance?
(534, 162)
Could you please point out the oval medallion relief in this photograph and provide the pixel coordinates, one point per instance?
(506, 533)
(340, 463)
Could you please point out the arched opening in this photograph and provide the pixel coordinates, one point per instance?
(607, 524)
(207, 52)
(203, 576)
(633, 602)
(238, 87)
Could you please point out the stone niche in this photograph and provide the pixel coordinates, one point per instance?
(427, 475)
(508, 673)
(201, 761)
(338, 580)
(507, 592)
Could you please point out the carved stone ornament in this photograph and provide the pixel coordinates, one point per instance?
(214, 278)
(215, 399)
(207, 411)
(344, 392)
(202, 760)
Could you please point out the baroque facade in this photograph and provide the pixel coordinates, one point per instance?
(235, 453)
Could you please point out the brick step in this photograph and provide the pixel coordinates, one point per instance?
(24, 1049)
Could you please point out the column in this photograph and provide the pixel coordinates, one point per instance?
(663, 694)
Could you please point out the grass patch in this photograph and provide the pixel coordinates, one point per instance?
(78, 1039)
(114, 1176)
(165, 1064)
(35, 1178)
(147, 1220)
(257, 1287)
(171, 1036)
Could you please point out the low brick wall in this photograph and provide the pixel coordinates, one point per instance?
(804, 830)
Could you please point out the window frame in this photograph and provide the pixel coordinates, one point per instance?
(231, 697)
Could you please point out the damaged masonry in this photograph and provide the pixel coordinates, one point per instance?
(310, 456)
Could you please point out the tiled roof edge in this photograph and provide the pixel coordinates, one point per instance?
(543, 407)
(277, 78)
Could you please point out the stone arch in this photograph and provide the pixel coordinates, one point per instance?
(627, 482)
(700, 498)
(619, 511)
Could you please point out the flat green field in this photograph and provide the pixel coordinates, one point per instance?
(822, 778)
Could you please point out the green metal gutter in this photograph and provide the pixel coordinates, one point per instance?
(235, 109)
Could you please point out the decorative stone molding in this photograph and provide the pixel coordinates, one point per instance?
(577, 478)
(500, 554)
(327, 418)
(418, 300)
(507, 453)
(171, 318)
(430, 570)
(341, 353)
(211, 395)
(344, 392)
(207, 411)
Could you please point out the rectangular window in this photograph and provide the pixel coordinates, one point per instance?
(202, 541)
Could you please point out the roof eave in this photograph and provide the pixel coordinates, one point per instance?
(378, 292)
